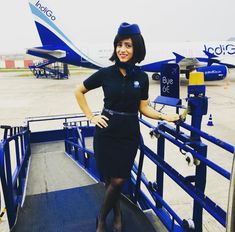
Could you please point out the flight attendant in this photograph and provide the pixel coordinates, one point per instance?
(117, 131)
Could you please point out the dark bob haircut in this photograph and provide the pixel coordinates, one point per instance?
(138, 46)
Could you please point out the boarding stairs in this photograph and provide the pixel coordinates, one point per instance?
(47, 70)
(60, 194)
(55, 186)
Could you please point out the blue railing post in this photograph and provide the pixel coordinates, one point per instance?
(20, 187)
(160, 173)
(23, 152)
(65, 128)
(8, 188)
(200, 183)
(13, 184)
(197, 101)
(230, 217)
(75, 141)
(198, 104)
(27, 143)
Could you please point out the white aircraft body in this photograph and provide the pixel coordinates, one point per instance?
(214, 59)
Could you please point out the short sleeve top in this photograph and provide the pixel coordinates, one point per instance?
(120, 93)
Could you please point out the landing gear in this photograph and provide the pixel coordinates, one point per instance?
(156, 77)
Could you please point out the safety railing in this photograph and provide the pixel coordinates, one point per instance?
(14, 163)
(77, 148)
(230, 226)
(194, 185)
(42, 131)
(15, 155)
(78, 135)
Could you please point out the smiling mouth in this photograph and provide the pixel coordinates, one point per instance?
(123, 56)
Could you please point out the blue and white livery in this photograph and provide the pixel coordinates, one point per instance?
(213, 59)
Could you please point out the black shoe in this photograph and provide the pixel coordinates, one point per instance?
(117, 230)
(120, 229)
(96, 224)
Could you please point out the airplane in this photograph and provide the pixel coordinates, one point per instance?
(214, 59)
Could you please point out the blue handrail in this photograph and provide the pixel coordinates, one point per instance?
(13, 185)
(75, 134)
(171, 219)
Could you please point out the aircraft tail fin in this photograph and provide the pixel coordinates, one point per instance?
(46, 36)
(43, 22)
(210, 55)
(55, 42)
(178, 57)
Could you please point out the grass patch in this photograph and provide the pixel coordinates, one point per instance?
(25, 75)
(15, 70)
(30, 74)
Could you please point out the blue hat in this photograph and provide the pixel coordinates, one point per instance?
(128, 29)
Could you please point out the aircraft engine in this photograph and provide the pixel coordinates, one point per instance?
(214, 72)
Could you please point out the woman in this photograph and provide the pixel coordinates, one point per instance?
(117, 131)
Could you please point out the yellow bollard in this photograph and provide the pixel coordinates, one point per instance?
(196, 78)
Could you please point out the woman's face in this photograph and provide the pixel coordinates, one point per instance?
(125, 50)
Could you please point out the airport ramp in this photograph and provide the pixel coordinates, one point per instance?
(61, 197)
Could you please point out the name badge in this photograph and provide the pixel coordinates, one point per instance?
(136, 84)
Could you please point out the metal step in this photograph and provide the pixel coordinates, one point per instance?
(75, 210)
(62, 197)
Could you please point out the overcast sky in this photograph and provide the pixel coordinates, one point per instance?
(96, 21)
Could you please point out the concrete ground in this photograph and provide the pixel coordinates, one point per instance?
(22, 95)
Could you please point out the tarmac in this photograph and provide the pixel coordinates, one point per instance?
(22, 95)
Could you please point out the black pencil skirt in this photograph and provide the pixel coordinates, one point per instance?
(115, 146)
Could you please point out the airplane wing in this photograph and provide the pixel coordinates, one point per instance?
(55, 53)
(185, 63)
(191, 63)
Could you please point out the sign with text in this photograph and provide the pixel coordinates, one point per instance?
(170, 74)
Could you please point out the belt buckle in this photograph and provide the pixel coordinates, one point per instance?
(110, 112)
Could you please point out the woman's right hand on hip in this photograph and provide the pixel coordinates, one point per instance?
(100, 121)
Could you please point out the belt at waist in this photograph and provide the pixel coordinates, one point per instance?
(111, 112)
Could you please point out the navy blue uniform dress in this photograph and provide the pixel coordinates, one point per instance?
(116, 146)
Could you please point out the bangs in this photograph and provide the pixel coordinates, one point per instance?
(138, 45)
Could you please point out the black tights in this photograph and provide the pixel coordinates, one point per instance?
(111, 200)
